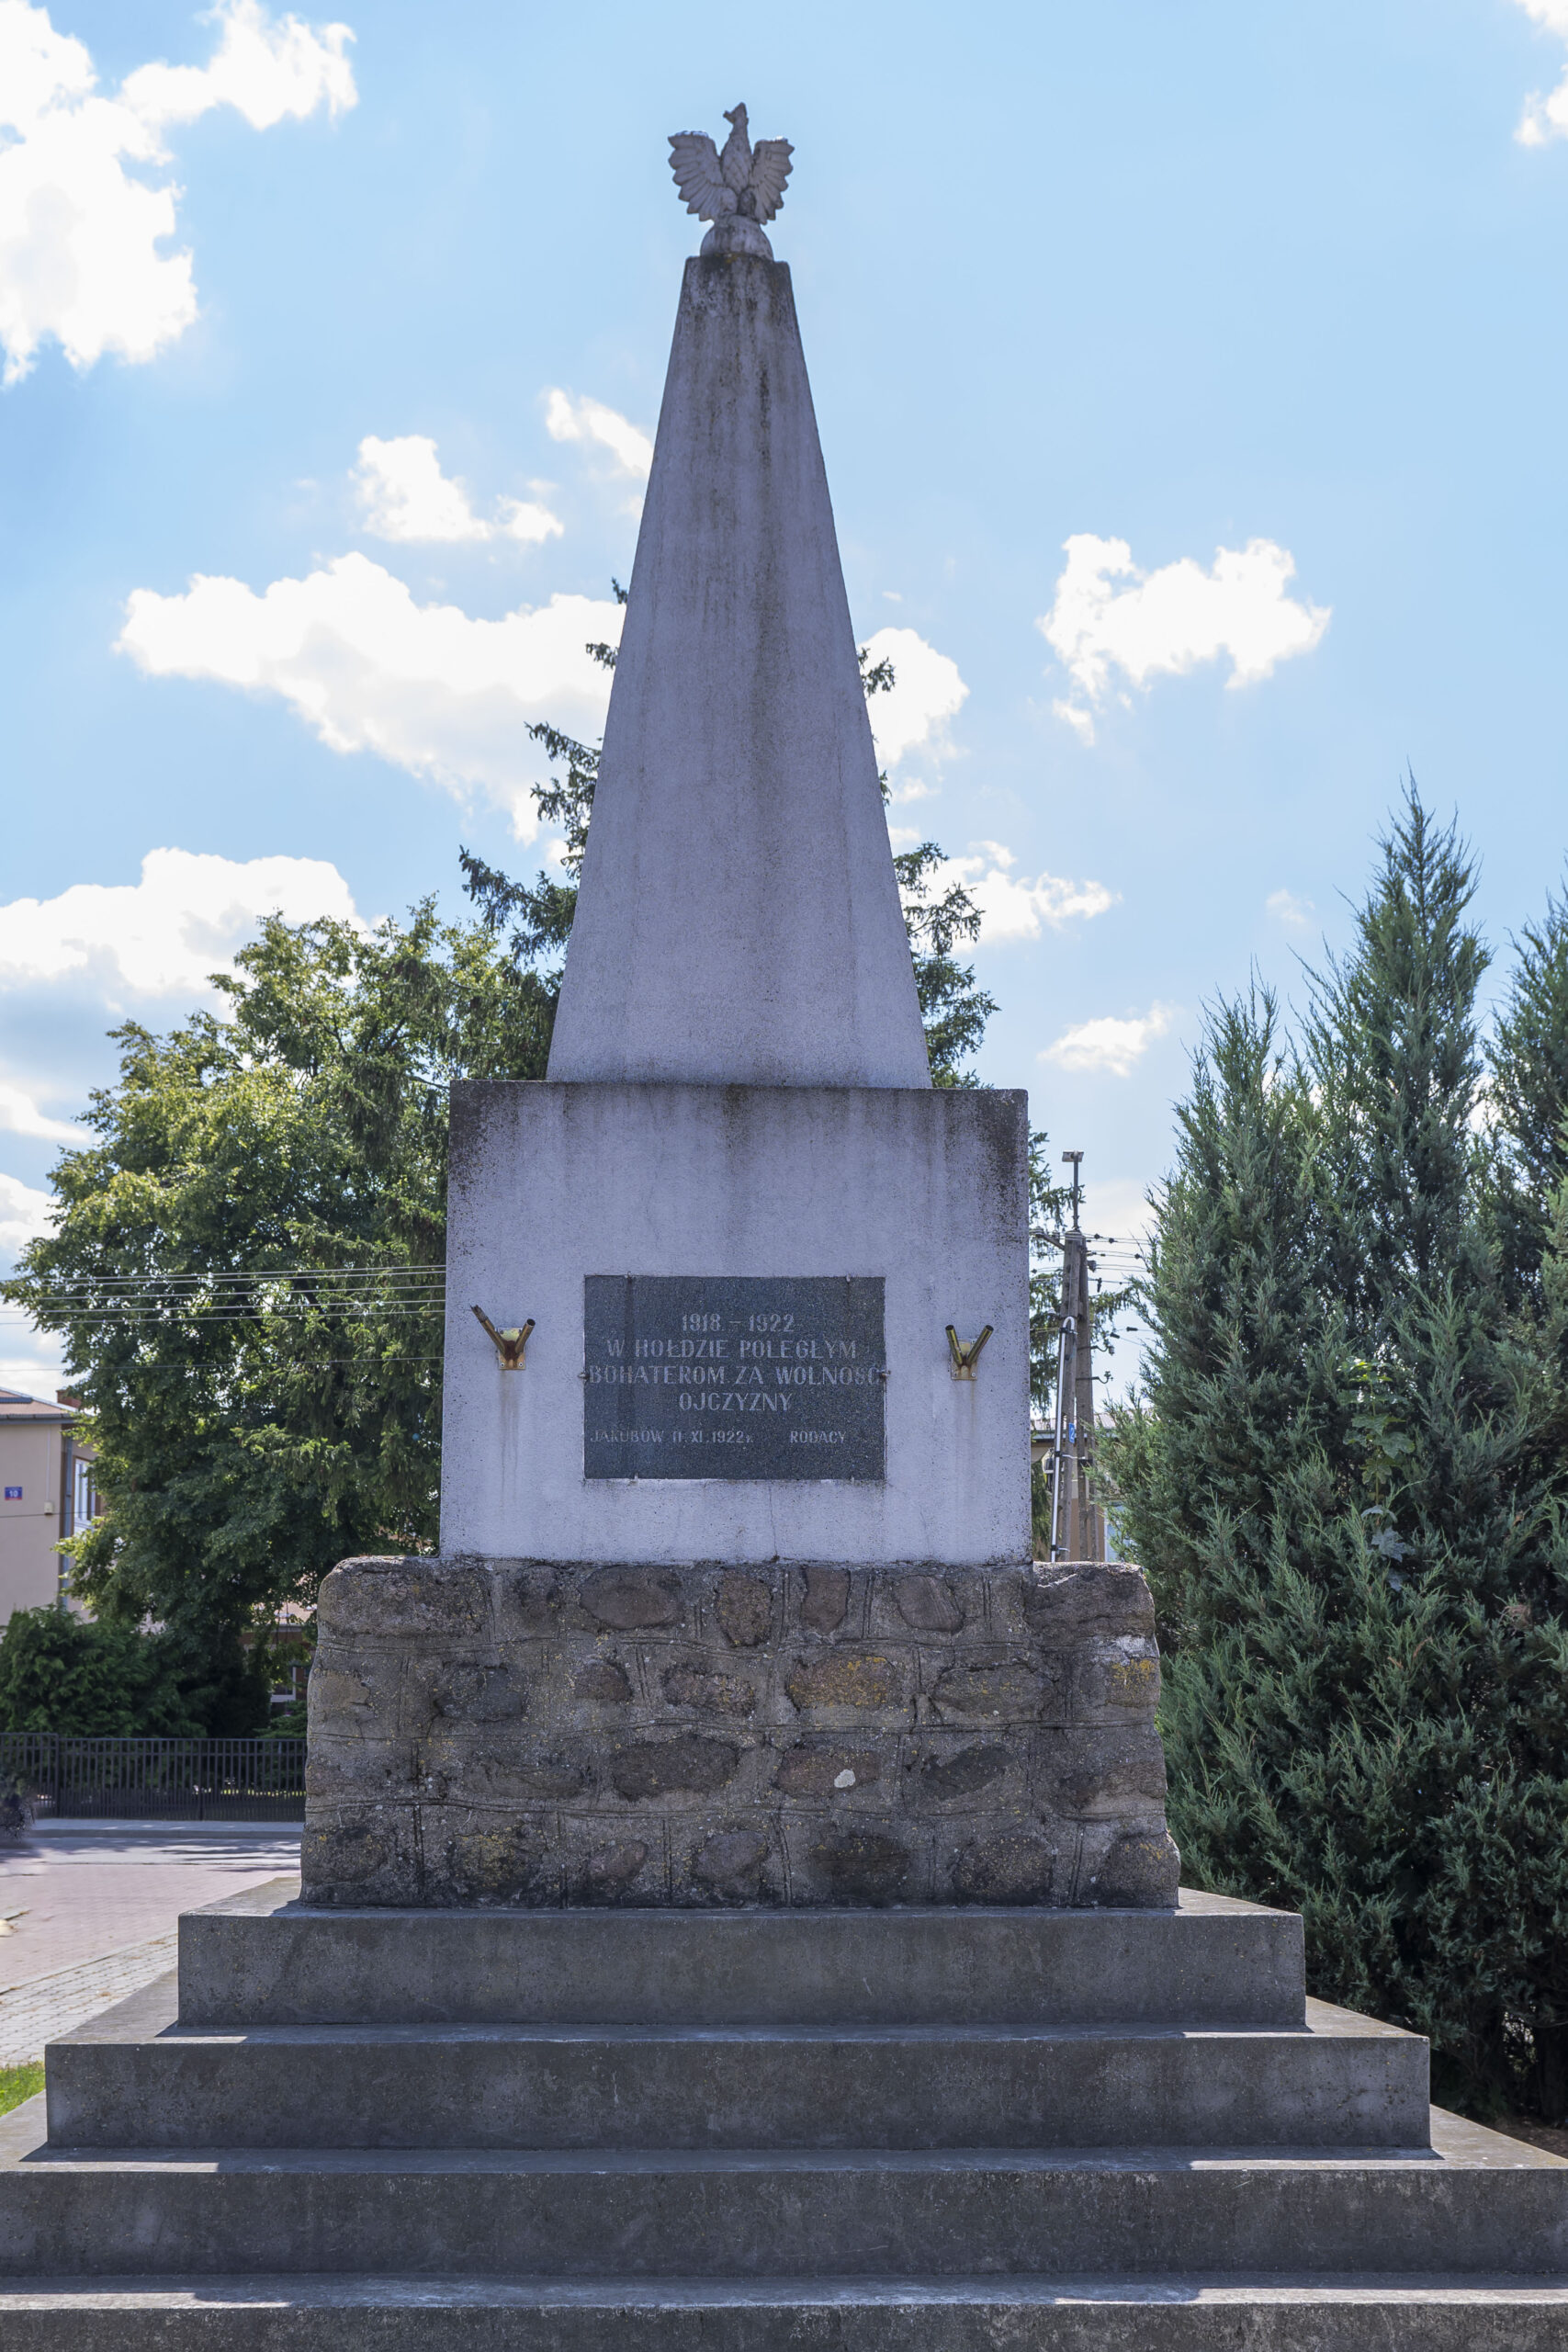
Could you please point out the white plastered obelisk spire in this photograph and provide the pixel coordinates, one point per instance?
(737, 1091)
(738, 918)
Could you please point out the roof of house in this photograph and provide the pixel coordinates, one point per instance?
(16, 1407)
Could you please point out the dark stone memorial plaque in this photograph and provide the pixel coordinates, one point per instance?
(733, 1376)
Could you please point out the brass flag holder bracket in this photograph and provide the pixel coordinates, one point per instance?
(965, 1356)
(510, 1346)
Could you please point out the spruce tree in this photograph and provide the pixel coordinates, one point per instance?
(1347, 1482)
(1528, 1102)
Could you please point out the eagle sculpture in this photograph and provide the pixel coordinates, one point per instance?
(742, 182)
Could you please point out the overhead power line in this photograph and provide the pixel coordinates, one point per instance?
(277, 1293)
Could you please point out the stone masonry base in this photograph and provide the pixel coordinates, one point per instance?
(515, 1732)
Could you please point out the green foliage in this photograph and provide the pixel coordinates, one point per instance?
(1528, 1102)
(251, 1435)
(1347, 1480)
(937, 915)
(61, 1674)
(17, 2083)
(537, 916)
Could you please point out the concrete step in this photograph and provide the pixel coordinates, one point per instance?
(260, 1958)
(1183, 2313)
(134, 2078)
(780, 2213)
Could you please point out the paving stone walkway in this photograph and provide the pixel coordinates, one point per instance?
(88, 1910)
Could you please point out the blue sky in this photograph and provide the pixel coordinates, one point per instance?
(1263, 310)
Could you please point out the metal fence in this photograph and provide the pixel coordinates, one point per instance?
(64, 1778)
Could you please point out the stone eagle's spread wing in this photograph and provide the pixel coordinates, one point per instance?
(693, 159)
(770, 169)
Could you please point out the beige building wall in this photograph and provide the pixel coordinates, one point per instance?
(45, 1491)
(31, 1455)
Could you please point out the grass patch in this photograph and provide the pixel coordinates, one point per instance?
(17, 2083)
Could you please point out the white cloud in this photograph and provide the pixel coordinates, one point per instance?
(37, 1376)
(1295, 913)
(1110, 1044)
(79, 235)
(163, 935)
(20, 1115)
(1078, 720)
(1167, 622)
(424, 686)
(528, 520)
(594, 424)
(1545, 115)
(927, 691)
(405, 495)
(1118, 1208)
(24, 1215)
(1010, 906)
(264, 70)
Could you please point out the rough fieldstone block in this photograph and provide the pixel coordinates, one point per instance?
(962, 1774)
(486, 1857)
(627, 1598)
(518, 1733)
(826, 1601)
(360, 1853)
(928, 1605)
(1096, 1598)
(611, 1872)
(989, 1691)
(848, 1684)
(826, 1769)
(382, 1599)
(1087, 1773)
(1114, 1680)
(1014, 1866)
(690, 1765)
(603, 1681)
(695, 1684)
(865, 1866)
(352, 1771)
(498, 1776)
(733, 1865)
(744, 1606)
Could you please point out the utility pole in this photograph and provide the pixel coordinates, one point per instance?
(1078, 1523)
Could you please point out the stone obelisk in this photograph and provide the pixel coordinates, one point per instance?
(735, 1602)
(739, 920)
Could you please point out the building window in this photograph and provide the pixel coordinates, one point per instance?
(84, 1496)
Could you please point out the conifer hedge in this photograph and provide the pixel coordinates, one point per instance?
(1348, 1476)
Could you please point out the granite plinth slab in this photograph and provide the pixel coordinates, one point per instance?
(142, 2076)
(265, 1959)
(396, 2314)
(782, 2213)
(524, 1734)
